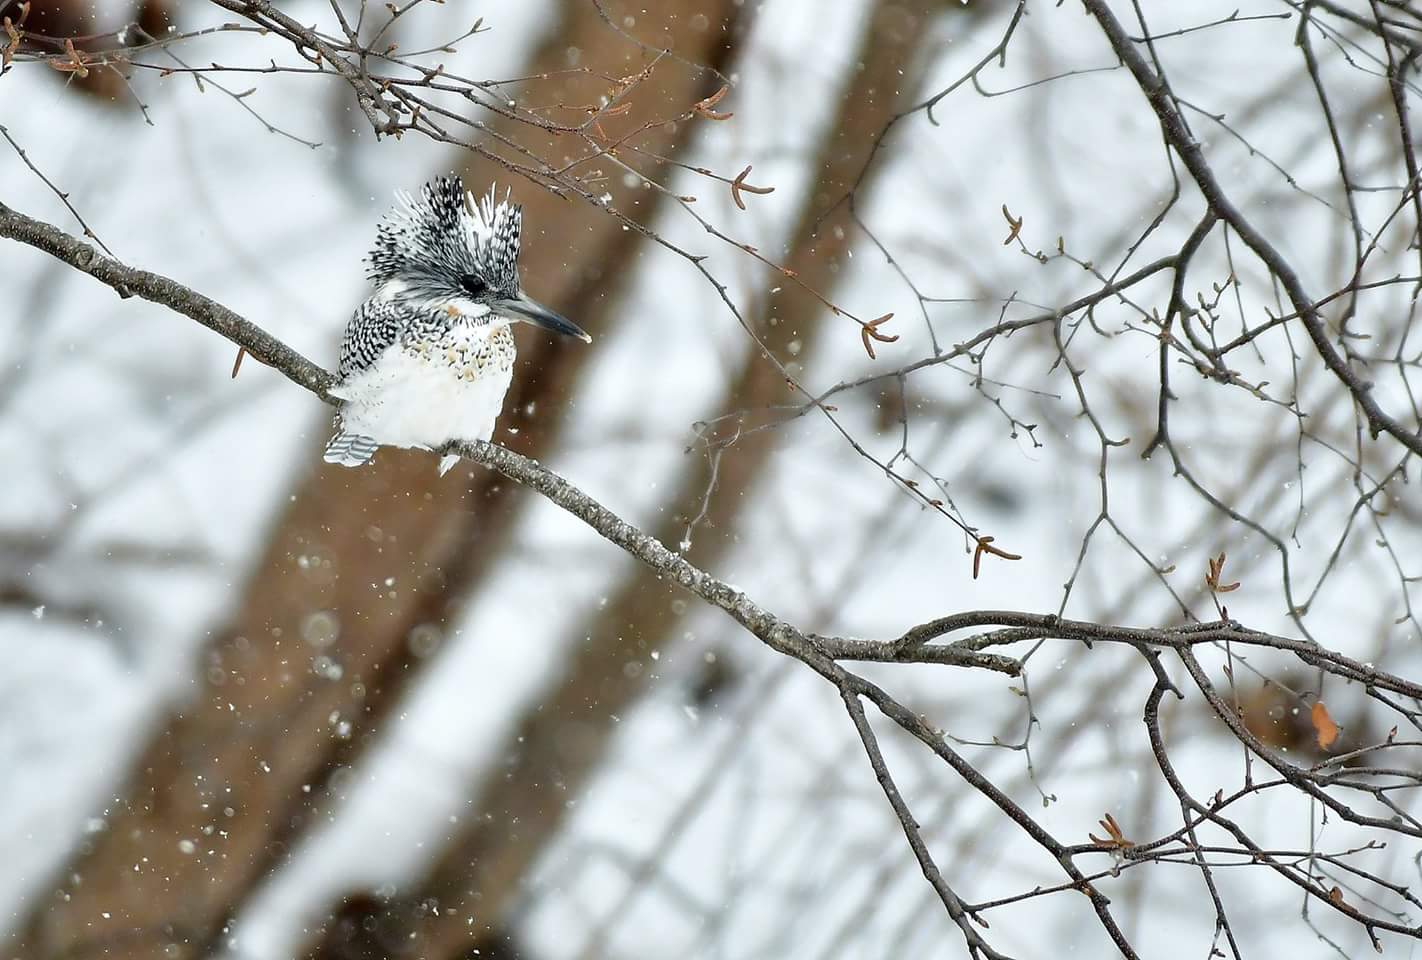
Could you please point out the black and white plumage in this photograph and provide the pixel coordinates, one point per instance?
(428, 357)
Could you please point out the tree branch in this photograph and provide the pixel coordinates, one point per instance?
(131, 282)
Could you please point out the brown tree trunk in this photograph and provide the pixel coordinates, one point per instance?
(563, 740)
(358, 560)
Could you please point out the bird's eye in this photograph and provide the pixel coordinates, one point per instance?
(472, 284)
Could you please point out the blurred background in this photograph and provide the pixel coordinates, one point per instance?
(254, 706)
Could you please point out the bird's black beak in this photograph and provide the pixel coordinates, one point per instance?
(537, 314)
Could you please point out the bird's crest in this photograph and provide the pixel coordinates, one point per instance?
(445, 234)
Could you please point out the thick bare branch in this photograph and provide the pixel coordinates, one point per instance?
(129, 281)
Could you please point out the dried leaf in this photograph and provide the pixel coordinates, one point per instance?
(13, 31)
(1016, 225)
(1336, 896)
(8, 52)
(739, 184)
(1116, 839)
(76, 62)
(985, 546)
(703, 107)
(1212, 576)
(871, 330)
(64, 66)
(1323, 725)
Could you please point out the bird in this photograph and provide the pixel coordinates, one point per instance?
(428, 356)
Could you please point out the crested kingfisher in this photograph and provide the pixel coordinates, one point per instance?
(428, 357)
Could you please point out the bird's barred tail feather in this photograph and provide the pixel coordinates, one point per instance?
(350, 449)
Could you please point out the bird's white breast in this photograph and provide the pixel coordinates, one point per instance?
(426, 390)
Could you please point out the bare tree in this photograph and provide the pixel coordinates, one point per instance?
(1215, 357)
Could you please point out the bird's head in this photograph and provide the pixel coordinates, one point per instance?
(446, 248)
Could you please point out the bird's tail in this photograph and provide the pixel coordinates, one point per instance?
(446, 462)
(350, 449)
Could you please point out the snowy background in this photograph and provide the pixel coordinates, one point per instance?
(734, 814)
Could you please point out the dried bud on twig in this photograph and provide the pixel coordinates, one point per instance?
(739, 184)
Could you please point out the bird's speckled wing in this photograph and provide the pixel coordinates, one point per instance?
(375, 326)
